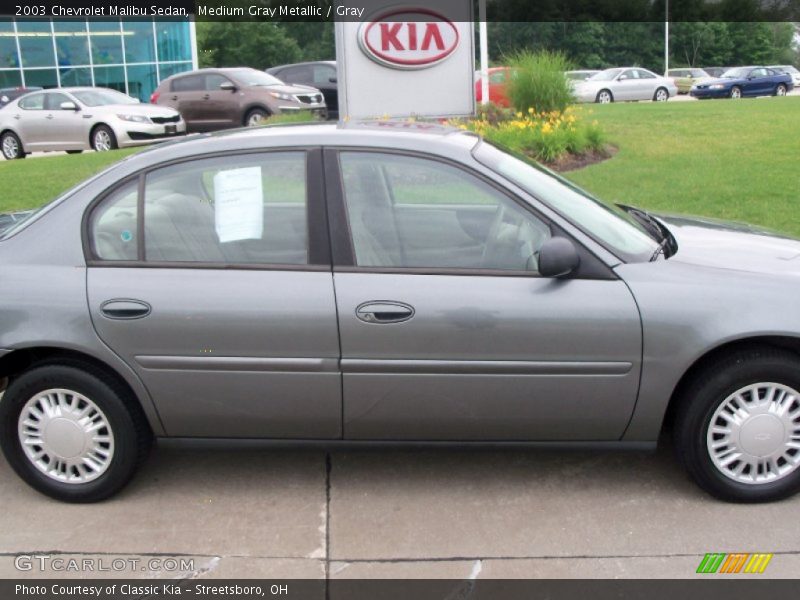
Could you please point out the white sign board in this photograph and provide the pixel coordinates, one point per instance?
(239, 204)
(405, 61)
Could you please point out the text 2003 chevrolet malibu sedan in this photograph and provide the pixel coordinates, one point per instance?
(387, 282)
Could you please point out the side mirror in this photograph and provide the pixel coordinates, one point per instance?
(68, 106)
(558, 257)
(622, 78)
(332, 79)
(227, 86)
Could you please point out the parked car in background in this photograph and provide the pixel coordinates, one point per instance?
(12, 93)
(211, 99)
(321, 75)
(498, 82)
(74, 119)
(716, 71)
(740, 82)
(623, 84)
(793, 72)
(457, 294)
(8, 220)
(581, 75)
(684, 79)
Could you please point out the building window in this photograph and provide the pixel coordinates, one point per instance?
(36, 44)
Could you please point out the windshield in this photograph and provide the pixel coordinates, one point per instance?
(250, 77)
(786, 69)
(102, 97)
(606, 75)
(737, 73)
(608, 224)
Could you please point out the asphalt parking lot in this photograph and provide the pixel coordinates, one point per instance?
(393, 513)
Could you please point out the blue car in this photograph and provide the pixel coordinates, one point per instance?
(744, 81)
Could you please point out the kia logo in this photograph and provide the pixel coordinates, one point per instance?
(408, 38)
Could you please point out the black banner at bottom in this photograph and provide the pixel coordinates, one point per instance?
(400, 589)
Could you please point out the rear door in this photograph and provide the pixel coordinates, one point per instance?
(30, 122)
(447, 330)
(186, 96)
(211, 278)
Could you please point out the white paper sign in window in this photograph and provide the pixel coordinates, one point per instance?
(239, 204)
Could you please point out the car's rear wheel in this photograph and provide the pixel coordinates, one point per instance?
(780, 90)
(255, 116)
(661, 95)
(604, 97)
(737, 429)
(103, 139)
(11, 145)
(71, 432)
(736, 92)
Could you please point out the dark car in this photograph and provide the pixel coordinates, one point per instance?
(321, 74)
(210, 99)
(12, 93)
(745, 81)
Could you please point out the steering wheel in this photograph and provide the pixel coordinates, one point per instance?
(493, 236)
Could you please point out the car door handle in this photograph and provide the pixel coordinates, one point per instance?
(49, 117)
(18, 117)
(384, 312)
(206, 97)
(174, 98)
(125, 309)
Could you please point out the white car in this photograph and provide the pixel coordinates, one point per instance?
(82, 118)
(623, 84)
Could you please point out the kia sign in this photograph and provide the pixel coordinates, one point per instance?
(406, 61)
(409, 43)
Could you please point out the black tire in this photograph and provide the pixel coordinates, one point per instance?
(98, 132)
(131, 433)
(74, 151)
(599, 98)
(698, 403)
(11, 146)
(258, 114)
(780, 90)
(734, 91)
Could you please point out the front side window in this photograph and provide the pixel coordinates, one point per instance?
(53, 100)
(410, 212)
(214, 80)
(323, 74)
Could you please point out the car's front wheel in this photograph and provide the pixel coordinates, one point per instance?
(71, 432)
(11, 145)
(103, 139)
(736, 92)
(780, 90)
(737, 428)
(255, 117)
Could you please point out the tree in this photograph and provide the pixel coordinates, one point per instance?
(244, 44)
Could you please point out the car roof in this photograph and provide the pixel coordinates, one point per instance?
(332, 63)
(398, 135)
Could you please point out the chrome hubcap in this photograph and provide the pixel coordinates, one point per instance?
(754, 435)
(66, 436)
(605, 98)
(102, 141)
(10, 147)
(661, 96)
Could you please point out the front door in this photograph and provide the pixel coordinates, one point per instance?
(447, 330)
(225, 308)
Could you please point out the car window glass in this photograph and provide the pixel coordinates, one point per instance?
(629, 74)
(417, 213)
(323, 74)
(758, 73)
(32, 102)
(113, 225)
(296, 75)
(190, 83)
(214, 80)
(247, 209)
(53, 100)
(644, 74)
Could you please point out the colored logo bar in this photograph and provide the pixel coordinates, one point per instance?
(737, 562)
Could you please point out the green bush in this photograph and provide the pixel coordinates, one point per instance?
(537, 81)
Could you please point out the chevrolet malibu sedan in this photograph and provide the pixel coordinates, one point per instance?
(387, 282)
(625, 84)
(82, 118)
(740, 82)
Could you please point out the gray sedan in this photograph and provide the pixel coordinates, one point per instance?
(82, 118)
(624, 84)
(392, 282)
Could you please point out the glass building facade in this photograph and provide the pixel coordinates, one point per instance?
(129, 56)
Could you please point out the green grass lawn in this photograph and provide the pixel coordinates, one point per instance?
(31, 182)
(736, 160)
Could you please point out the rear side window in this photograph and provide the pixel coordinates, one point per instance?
(239, 210)
(190, 83)
(32, 102)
